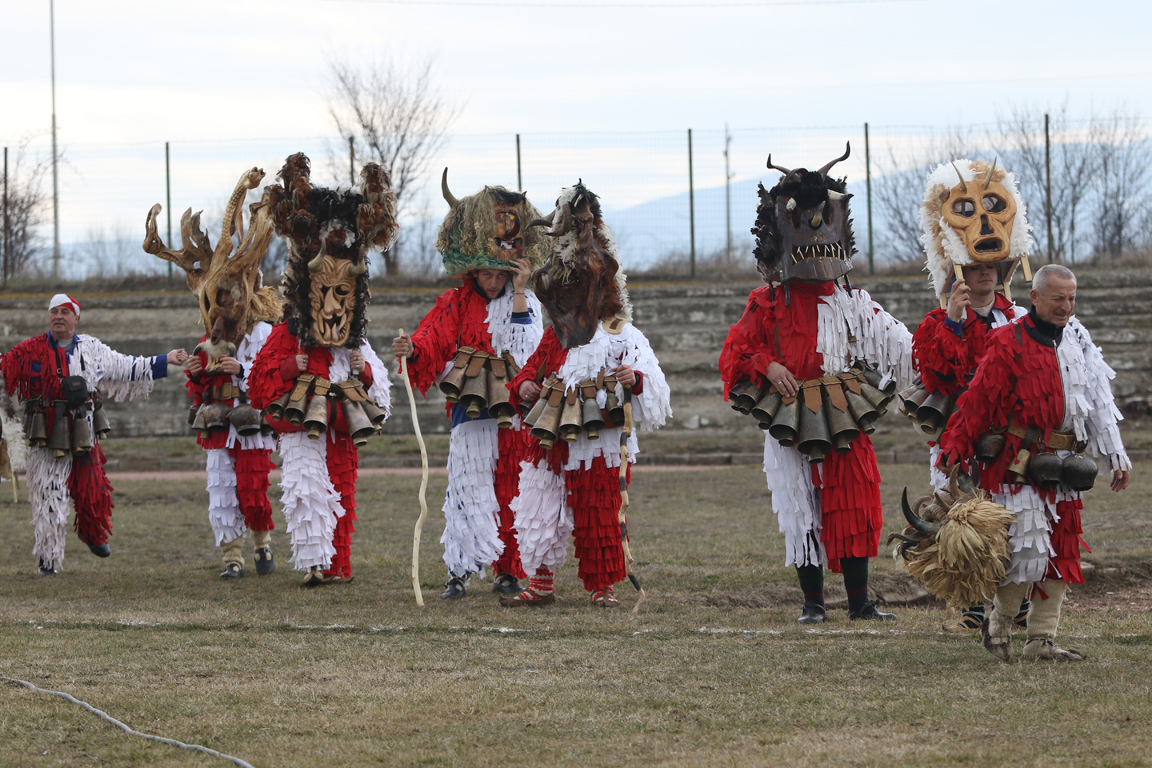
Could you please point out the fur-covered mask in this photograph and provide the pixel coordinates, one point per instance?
(487, 230)
(803, 230)
(973, 213)
(581, 283)
(330, 234)
(228, 286)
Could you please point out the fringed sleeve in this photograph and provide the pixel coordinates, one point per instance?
(989, 400)
(381, 389)
(250, 349)
(1096, 420)
(17, 369)
(549, 355)
(434, 341)
(519, 339)
(747, 351)
(942, 358)
(122, 377)
(652, 407)
(881, 339)
(264, 381)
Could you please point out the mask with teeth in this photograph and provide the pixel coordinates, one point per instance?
(972, 213)
(803, 230)
(487, 230)
(330, 234)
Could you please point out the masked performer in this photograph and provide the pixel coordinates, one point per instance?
(588, 361)
(815, 355)
(322, 386)
(471, 343)
(975, 233)
(1041, 396)
(58, 376)
(235, 311)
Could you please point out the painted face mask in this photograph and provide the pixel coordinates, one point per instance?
(803, 230)
(333, 300)
(487, 230)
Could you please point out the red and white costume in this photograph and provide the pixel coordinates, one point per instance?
(574, 488)
(828, 510)
(483, 460)
(33, 369)
(1025, 382)
(945, 354)
(238, 466)
(318, 479)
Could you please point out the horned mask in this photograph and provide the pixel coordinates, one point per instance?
(487, 230)
(330, 234)
(580, 283)
(803, 230)
(973, 213)
(228, 286)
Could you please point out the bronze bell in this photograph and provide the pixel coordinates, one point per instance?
(745, 395)
(862, 411)
(216, 416)
(813, 440)
(246, 419)
(375, 413)
(932, 415)
(193, 411)
(841, 428)
(294, 410)
(275, 410)
(536, 410)
(593, 419)
(499, 402)
(571, 418)
(764, 410)
(613, 405)
(1079, 472)
(360, 427)
(786, 422)
(874, 396)
(316, 418)
(874, 378)
(988, 447)
(546, 426)
(451, 384)
(1017, 471)
(911, 399)
(100, 423)
(37, 431)
(81, 434)
(474, 395)
(58, 441)
(198, 423)
(1044, 470)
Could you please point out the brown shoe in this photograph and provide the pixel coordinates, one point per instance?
(528, 597)
(336, 578)
(313, 578)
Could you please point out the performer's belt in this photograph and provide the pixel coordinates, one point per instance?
(1057, 441)
(220, 392)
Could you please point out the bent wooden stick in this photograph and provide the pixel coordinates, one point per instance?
(423, 482)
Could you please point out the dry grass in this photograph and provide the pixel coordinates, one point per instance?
(713, 671)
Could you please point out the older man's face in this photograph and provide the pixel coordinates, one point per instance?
(62, 322)
(1057, 302)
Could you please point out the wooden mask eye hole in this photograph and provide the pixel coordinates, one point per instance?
(965, 208)
(993, 204)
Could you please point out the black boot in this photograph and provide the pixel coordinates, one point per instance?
(812, 585)
(232, 571)
(869, 612)
(814, 612)
(265, 563)
(506, 584)
(101, 550)
(455, 589)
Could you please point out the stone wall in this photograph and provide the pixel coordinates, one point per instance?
(686, 323)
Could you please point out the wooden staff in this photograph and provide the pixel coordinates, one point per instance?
(423, 482)
(625, 433)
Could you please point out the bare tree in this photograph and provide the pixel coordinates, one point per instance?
(1123, 154)
(24, 211)
(1019, 140)
(899, 190)
(396, 117)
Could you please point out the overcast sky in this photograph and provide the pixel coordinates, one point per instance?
(143, 71)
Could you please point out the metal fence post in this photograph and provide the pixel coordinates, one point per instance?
(168, 200)
(868, 189)
(1048, 184)
(519, 179)
(691, 213)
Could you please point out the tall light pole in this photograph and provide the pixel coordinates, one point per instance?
(55, 176)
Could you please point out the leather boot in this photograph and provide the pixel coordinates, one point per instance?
(265, 563)
(233, 558)
(1043, 621)
(997, 627)
(814, 612)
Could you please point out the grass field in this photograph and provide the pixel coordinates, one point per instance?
(712, 671)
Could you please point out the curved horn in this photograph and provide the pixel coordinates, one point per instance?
(963, 184)
(921, 525)
(543, 221)
(988, 178)
(314, 265)
(847, 151)
(791, 205)
(784, 171)
(963, 481)
(355, 269)
(835, 196)
(452, 201)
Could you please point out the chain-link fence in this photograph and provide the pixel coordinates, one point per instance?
(672, 198)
